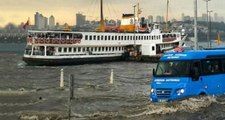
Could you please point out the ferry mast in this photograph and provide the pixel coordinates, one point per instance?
(167, 7)
(102, 25)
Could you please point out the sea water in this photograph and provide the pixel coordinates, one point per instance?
(32, 92)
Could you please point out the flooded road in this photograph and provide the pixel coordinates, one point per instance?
(29, 92)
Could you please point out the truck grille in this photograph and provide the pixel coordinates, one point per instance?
(163, 92)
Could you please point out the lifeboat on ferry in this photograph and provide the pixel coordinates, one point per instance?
(111, 29)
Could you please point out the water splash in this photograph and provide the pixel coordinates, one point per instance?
(190, 105)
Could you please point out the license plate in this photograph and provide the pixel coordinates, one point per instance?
(163, 100)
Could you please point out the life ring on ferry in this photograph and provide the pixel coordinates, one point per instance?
(58, 41)
(78, 41)
(71, 41)
(63, 41)
(68, 41)
(36, 40)
(47, 41)
(41, 40)
(53, 40)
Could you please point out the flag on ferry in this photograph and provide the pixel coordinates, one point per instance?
(26, 24)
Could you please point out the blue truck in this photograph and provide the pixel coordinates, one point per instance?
(188, 73)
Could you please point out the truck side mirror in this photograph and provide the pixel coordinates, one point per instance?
(153, 72)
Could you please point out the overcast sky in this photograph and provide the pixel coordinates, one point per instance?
(17, 11)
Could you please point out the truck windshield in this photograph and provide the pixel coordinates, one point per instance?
(173, 68)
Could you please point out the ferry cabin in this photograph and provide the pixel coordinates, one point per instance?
(60, 47)
(190, 73)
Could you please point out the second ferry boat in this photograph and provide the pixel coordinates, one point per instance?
(125, 42)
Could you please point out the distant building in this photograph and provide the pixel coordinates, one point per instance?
(45, 22)
(41, 22)
(80, 19)
(150, 19)
(186, 18)
(160, 19)
(37, 20)
(215, 17)
(204, 17)
(182, 17)
(51, 22)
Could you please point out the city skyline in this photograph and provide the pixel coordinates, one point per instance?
(65, 12)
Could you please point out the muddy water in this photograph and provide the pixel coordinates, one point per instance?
(28, 92)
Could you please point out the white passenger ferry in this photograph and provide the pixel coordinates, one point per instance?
(127, 41)
(63, 47)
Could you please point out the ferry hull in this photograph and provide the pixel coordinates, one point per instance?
(69, 61)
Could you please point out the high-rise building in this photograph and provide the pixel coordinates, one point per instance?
(45, 22)
(215, 17)
(160, 19)
(41, 22)
(36, 20)
(182, 17)
(150, 19)
(51, 22)
(80, 19)
(204, 17)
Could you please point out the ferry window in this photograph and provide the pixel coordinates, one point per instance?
(153, 48)
(145, 38)
(112, 37)
(75, 49)
(59, 49)
(109, 48)
(86, 37)
(83, 50)
(78, 49)
(131, 37)
(103, 48)
(115, 37)
(141, 37)
(94, 37)
(211, 66)
(136, 38)
(113, 48)
(105, 37)
(102, 37)
(99, 49)
(116, 48)
(106, 48)
(108, 37)
(125, 37)
(90, 37)
(70, 49)
(96, 49)
(98, 37)
(121, 37)
(152, 38)
(65, 50)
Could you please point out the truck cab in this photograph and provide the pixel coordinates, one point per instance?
(183, 74)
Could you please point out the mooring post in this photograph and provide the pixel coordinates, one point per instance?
(111, 77)
(71, 87)
(61, 85)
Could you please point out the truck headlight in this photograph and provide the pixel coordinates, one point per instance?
(152, 91)
(180, 91)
